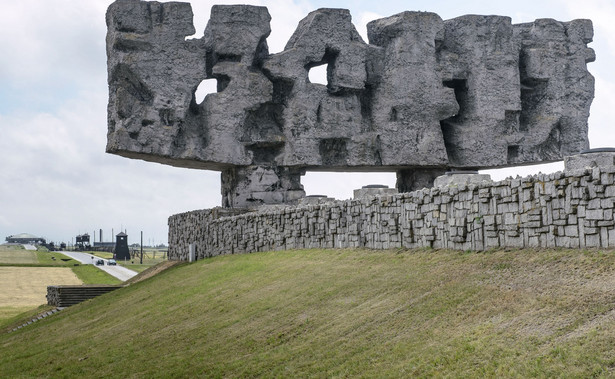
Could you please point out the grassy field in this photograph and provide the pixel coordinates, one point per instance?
(12, 317)
(90, 274)
(25, 275)
(24, 288)
(17, 255)
(47, 258)
(340, 313)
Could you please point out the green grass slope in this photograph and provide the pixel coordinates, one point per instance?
(339, 313)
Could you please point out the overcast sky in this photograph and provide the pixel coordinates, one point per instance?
(56, 180)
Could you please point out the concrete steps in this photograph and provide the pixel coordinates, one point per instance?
(65, 296)
(37, 318)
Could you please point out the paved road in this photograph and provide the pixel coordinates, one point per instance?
(122, 273)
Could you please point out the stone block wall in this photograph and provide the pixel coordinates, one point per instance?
(572, 209)
(65, 296)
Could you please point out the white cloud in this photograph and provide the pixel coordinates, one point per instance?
(52, 41)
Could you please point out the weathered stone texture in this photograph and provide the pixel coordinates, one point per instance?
(460, 178)
(481, 63)
(423, 96)
(590, 160)
(556, 89)
(567, 209)
(409, 100)
(153, 73)
(373, 190)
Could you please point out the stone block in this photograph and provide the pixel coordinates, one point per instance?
(590, 230)
(589, 160)
(373, 190)
(594, 214)
(611, 239)
(511, 219)
(581, 211)
(592, 240)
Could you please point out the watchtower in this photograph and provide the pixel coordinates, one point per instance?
(121, 246)
(82, 242)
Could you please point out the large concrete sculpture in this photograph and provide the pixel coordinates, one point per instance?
(422, 97)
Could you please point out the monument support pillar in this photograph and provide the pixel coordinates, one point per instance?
(409, 180)
(251, 186)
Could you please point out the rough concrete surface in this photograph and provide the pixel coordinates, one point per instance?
(423, 95)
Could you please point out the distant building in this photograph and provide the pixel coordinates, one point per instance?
(82, 242)
(25, 238)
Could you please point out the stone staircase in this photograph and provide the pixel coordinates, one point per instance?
(37, 318)
(65, 296)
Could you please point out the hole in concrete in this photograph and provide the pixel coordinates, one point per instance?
(322, 72)
(452, 125)
(206, 87)
(460, 87)
(340, 185)
(318, 74)
(228, 58)
(533, 92)
(265, 154)
(513, 153)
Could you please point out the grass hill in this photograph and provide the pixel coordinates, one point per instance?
(25, 275)
(339, 313)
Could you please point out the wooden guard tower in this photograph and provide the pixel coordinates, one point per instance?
(121, 247)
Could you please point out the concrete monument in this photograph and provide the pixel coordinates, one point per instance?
(423, 97)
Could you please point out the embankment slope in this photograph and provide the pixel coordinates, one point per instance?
(348, 313)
